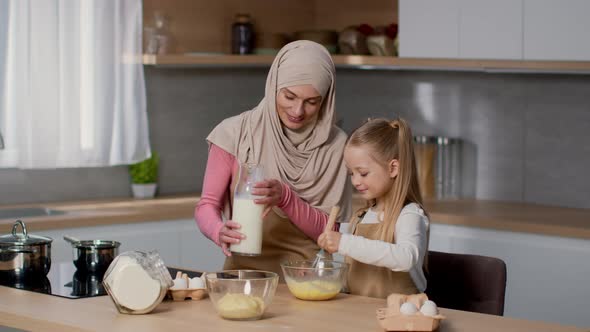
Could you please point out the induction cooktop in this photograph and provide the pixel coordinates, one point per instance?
(64, 280)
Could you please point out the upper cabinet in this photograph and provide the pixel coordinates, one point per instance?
(463, 29)
(490, 29)
(429, 28)
(556, 30)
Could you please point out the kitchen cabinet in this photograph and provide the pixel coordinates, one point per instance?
(179, 242)
(556, 30)
(429, 28)
(547, 275)
(462, 29)
(490, 29)
(472, 35)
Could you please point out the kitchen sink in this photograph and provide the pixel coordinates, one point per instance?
(15, 213)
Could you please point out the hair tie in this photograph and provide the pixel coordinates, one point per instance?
(394, 124)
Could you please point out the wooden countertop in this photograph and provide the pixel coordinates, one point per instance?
(517, 217)
(32, 311)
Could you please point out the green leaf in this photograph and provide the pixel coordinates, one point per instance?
(145, 171)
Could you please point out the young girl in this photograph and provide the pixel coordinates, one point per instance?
(388, 239)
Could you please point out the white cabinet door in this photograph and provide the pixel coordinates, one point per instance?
(197, 251)
(490, 29)
(544, 272)
(428, 28)
(557, 30)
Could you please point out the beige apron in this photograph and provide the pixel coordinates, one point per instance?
(281, 241)
(375, 281)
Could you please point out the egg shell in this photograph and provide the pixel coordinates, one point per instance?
(196, 283)
(429, 309)
(408, 308)
(179, 283)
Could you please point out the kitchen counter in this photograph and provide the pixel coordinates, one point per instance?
(33, 311)
(516, 217)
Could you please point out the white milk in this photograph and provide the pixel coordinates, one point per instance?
(249, 215)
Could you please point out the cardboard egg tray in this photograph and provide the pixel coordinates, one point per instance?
(183, 294)
(391, 319)
(186, 293)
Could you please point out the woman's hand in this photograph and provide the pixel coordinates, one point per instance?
(329, 241)
(272, 190)
(228, 235)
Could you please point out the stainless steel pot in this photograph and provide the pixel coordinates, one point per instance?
(93, 255)
(24, 256)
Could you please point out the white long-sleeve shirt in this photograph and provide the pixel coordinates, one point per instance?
(406, 254)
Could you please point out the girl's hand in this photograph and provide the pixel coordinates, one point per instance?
(329, 241)
(228, 235)
(272, 190)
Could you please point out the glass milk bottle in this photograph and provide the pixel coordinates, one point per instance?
(247, 213)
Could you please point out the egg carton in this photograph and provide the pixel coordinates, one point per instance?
(392, 319)
(182, 294)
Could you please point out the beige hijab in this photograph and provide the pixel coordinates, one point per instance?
(310, 160)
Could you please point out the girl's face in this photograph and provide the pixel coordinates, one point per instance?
(298, 106)
(372, 179)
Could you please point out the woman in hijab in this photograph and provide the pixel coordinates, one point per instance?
(291, 133)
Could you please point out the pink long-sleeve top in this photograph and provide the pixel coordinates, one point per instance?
(221, 167)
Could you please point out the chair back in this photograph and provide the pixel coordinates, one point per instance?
(466, 282)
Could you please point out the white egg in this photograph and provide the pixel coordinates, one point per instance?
(179, 283)
(408, 308)
(196, 283)
(429, 308)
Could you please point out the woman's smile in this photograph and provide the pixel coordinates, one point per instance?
(295, 119)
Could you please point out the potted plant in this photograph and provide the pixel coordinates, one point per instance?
(144, 177)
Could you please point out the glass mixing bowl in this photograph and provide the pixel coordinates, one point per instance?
(241, 294)
(307, 282)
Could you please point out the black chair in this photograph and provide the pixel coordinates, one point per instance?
(466, 282)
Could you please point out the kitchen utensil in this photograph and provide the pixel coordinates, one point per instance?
(309, 282)
(241, 294)
(321, 255)
(93, 255)
(23, 255)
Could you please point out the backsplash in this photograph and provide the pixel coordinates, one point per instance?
(529, 133)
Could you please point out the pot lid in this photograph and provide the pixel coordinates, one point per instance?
(23, 238)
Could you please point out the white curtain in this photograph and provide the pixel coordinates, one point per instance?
(73, 89)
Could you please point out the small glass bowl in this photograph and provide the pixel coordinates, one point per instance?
(322, 282)
(241, 294)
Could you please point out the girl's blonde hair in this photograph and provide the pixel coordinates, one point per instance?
(387, 140)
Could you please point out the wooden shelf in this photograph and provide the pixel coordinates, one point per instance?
(377, 62)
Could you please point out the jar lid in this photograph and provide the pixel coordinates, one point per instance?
(242, 18)
(22, 238)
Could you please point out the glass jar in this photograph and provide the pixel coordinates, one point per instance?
(137, 281)
(247, 213)
(242, 35)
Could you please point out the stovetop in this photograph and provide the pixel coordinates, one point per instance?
(64, 280)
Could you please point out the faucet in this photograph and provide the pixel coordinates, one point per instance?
(1, 142)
